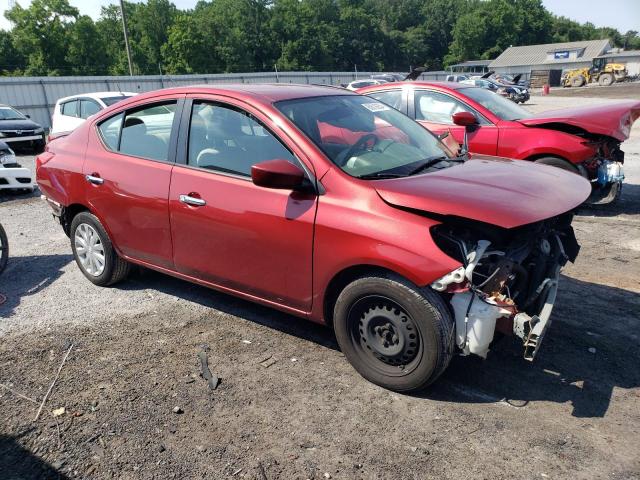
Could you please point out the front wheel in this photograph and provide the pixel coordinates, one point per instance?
(395, 334)
(94, 252)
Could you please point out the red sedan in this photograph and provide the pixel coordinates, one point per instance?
(325, 204)
(582, 140)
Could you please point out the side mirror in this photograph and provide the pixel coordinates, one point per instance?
(28, 116)
(277, 173)
(464, 119)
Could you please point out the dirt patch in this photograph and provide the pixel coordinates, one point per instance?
(624, 90)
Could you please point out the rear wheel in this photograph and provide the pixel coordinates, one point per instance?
(395, 334)
(94, 252)
(606, 79)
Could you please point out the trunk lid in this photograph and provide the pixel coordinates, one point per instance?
(499, 191)
(613, 119)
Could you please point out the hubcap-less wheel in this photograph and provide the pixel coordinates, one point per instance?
(384, 332)
(89, 249)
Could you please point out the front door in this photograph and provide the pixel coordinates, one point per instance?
(128, 173)
(434, 110)
(225, 229)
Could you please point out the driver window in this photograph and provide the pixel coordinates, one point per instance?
(436, 107)
(230, 140)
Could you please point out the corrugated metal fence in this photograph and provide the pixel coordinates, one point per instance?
(36, 96)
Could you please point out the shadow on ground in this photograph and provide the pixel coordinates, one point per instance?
(628, 204)
(15, 195)
(27, 276)
(18, 463)
(143, 278)
(564, 371)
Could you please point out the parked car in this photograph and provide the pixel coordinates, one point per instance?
(364, 83)
(13, 176)
(457, 78)
(512, 92)
(4, 249)
(583, 140)
(19, 130)
(71, 112)
(388, 77)
(409, 253)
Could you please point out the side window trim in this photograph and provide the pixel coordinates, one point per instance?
(175, 129)
(483, 120)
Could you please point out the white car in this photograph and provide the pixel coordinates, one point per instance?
(356, 84)
(13, 176)
(70, 112)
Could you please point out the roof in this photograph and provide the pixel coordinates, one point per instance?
(98, 95)
(395, 85)
(537, 54)
(473, 63)
(266, 92)
(625, 53)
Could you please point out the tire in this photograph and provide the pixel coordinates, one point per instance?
(113, 269)
(4, 249)
(559, 163)
(577, 81)
(415, 323)
(606, 79)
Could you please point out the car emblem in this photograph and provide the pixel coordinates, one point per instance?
(18, 132)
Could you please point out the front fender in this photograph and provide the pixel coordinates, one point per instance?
(525, 143)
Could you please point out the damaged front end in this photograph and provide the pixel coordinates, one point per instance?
(508, 279)
(605, 170)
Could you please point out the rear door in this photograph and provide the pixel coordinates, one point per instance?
(128, 170)
(228, 231)
(434, 111)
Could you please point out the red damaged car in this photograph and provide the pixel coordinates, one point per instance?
(325, 204)
(583, 140)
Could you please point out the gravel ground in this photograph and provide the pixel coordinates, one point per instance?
(623, 90)
(571, 414)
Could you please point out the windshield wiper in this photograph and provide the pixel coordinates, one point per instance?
(380, 176)
(427, 163)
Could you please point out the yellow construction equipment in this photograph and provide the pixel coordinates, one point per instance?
(601, 72)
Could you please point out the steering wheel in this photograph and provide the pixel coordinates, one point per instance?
(359, 145)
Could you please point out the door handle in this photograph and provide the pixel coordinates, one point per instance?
(95, 180)
(196, 202)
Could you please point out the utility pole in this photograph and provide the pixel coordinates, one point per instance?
(126, 36)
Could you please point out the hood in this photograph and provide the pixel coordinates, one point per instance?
(25, 124)
(499, 191)
(613, 119)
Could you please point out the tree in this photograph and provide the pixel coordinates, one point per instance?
(12, 62)
(86, 54)
(40, 34)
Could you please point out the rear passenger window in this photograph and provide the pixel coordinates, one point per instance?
(70, 109)
(231, 141)
(144, 132)
(110, 131)
(393, 98)
(88, 108)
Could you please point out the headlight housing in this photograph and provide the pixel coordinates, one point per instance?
(38, 131)
(7, 157)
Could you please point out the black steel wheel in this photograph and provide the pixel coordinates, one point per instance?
(395, 334)
(4, 249)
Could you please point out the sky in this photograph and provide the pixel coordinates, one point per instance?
(621, 14)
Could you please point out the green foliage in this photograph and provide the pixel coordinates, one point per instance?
(50, 37)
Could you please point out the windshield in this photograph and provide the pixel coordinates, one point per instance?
(8, 113)
(362, 136)
(108, 101)
(498, 105)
